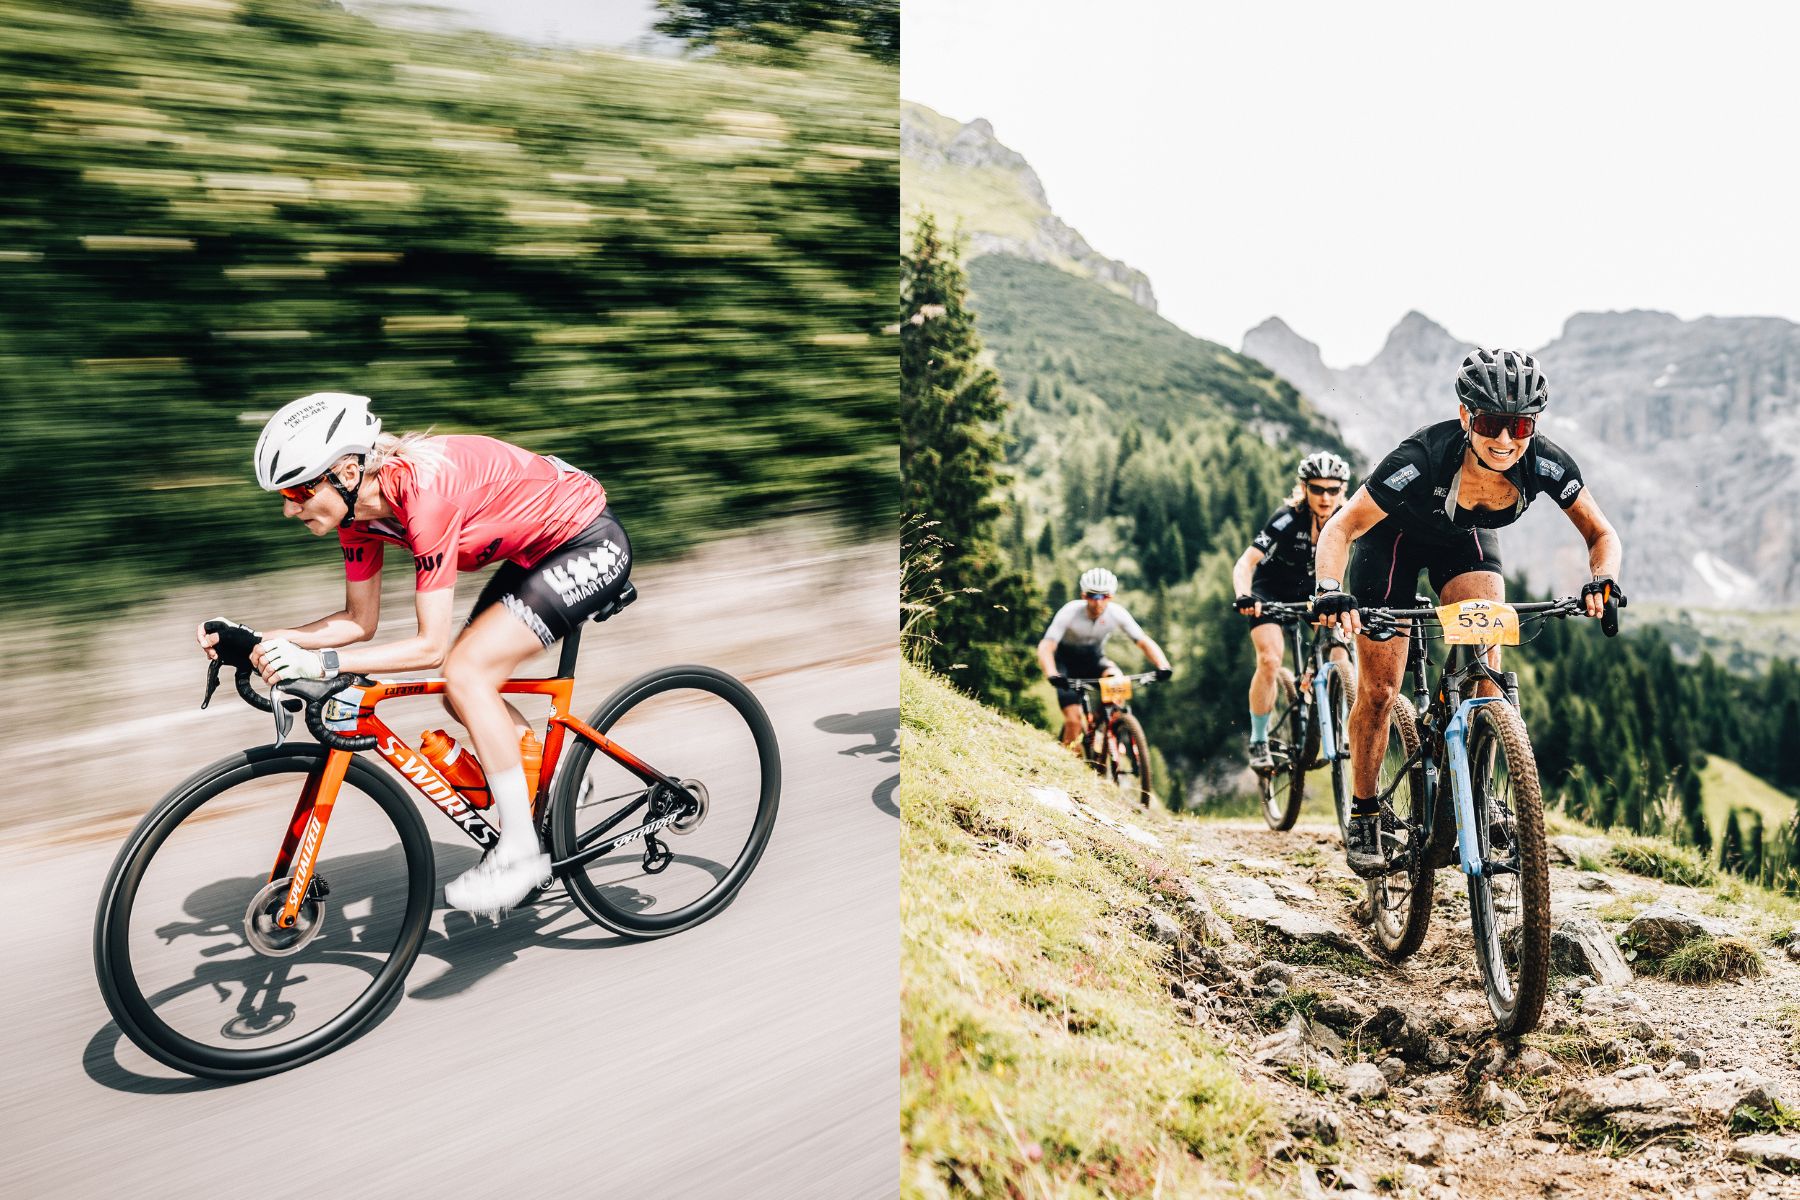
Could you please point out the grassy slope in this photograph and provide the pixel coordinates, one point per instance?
(1041, 1052)
(1137, 363)
(1725, 786)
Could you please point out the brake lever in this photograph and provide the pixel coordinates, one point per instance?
(212, 682)
(284, 720)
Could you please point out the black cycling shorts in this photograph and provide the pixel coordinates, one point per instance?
(568, 585)
(1079, 662)
(1271, 591)
(1384, 570)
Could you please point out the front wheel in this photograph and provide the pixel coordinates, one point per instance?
(1282, 787)
(189, 959)
(1340, 697)
(1400, 901)
(1509, 902)
(705, 729)
(1130, 760)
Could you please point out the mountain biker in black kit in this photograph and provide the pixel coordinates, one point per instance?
(1278, 566)
(1434, 504)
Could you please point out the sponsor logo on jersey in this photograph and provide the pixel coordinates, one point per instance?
(1405, 475)
(487, 552)
(581, 577)
(1553, 469)
(428, 563)
(1282, 522)
(1262, 541)
(1570, 488)
(353, 553)
(1443, 491)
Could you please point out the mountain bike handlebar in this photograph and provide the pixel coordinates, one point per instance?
(1568, 606)
(1142, 677)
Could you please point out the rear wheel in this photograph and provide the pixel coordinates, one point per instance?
(1283, 786)
(699, 843)
(1400, 901)
(1130, 766)
(1509, 902)
(188, 955)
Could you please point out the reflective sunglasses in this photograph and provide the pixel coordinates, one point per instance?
(1492, 425)
(1096, 595)
(300, 493)
(1319, 489)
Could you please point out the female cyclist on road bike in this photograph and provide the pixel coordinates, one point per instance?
(1075, 644)
(455, 504)
(1278, 566)
(1433, 505)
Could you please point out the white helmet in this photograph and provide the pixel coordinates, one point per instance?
(1322, 464)
(1099, 579)
(300, 442)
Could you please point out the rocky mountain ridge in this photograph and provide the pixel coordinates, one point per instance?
(1686, 430)
(965, 175)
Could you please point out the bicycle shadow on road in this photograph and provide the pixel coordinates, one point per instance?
(883, 725)
(237, 996)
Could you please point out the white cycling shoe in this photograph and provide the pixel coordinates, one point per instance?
(493, 885)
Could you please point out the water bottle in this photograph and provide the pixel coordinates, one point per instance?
(531, 757)
(457, 765)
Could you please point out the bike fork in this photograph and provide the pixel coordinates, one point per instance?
(1328, 733)
(1462, 789)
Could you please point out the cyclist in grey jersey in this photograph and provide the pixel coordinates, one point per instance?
(1075, 644)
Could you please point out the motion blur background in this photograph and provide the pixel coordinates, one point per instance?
(672, 264)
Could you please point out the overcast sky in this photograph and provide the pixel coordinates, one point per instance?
(1496, 166)
(565, 22)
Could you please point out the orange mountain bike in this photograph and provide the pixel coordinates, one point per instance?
(220, 967)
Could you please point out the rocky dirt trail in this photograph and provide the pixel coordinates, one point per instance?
(1388, 1076)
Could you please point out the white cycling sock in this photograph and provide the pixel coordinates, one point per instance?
(517, 838)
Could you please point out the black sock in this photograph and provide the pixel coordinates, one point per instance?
(1360, 807)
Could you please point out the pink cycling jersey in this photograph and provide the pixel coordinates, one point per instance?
(489, 500)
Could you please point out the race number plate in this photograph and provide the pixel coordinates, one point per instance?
(1480, 623)
(1115, 689)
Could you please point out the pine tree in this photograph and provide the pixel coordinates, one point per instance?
(1693, 812)
(982, 632)
(1731, 846)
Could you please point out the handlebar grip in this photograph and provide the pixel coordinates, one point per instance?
(315, 720)
(1609, 617)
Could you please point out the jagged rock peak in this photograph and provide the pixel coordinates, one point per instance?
(976, 146)
(1418, 336)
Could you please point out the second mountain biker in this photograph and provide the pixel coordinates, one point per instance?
(1075, 644)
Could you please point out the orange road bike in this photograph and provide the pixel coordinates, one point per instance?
(223, 969)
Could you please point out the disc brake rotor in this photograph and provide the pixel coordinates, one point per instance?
(267, 937)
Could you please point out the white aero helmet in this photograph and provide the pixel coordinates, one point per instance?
(300, 442)
(1099, 579)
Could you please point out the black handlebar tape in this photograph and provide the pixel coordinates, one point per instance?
(315, 719)
(251, 695)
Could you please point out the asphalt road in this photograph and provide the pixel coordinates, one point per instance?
(754, 1055)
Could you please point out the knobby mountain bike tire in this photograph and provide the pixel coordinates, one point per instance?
(1509, 910)
(701, 726)
(1130, 768)
(1340, 697)
(1283, 788)
(194, 874)
(1400, 901)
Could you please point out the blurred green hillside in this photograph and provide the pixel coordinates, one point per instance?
(674, 273)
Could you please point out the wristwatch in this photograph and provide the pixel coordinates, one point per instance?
(329, 660)
(1327, 585)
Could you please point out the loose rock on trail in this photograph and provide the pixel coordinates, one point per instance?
(1633, 1085)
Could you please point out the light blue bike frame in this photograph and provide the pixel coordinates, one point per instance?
(1322, 712)
(1462, 791)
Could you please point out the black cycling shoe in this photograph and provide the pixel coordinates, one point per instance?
(1362, 846)
(1260, 759)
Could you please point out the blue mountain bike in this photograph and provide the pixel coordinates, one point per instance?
(1308, 727)
(1489, 820)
